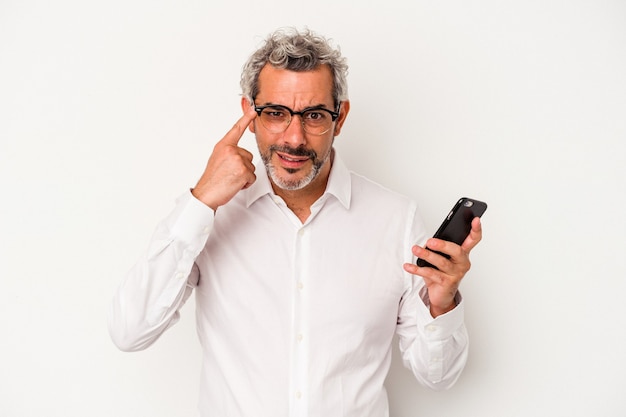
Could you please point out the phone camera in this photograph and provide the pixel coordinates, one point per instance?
(468, 203)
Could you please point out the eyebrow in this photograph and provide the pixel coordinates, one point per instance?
(313, 107)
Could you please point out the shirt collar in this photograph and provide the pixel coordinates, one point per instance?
(339, 183)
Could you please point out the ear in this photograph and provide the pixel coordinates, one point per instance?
(245, 104)
(343, 113)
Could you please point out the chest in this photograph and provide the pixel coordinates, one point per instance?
(338, 268)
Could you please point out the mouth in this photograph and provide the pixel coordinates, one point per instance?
(292, 161)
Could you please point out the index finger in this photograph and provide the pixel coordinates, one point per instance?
(475, 236)
(236, 132)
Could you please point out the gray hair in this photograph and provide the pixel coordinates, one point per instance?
(296, 51)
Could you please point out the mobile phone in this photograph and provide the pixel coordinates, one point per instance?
(457, 224)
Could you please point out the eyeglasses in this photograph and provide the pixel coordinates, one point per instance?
(315, 120)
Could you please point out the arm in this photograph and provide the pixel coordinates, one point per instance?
(433, 337)
(148, 301)
(149, 298)
(434, 349)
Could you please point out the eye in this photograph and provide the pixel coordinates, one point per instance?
(275, 113)
(315, 116)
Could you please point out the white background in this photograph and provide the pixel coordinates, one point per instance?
(109, 110)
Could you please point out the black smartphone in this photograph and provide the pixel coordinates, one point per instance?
(457, 224)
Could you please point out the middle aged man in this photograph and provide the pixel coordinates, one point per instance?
(303, 271)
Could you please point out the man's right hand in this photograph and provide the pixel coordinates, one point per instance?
(229, 169)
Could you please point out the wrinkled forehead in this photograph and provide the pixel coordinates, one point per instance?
(295, 89)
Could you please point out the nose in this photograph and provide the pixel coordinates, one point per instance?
(294, 135)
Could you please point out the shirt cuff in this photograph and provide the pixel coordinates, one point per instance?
(443, 326)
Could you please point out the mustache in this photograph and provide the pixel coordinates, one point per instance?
(299, 151)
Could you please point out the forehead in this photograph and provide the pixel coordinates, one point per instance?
(281, 86)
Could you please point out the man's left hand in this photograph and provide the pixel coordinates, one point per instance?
(443, 283)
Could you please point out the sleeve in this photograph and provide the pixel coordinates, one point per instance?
(434, 349)
(148, 300)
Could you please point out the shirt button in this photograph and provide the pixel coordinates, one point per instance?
(299, 337)
(206, 229)
(431, 328)
(300, 285)
(298, 394)
(179, 275)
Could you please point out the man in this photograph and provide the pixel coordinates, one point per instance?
(303, 271)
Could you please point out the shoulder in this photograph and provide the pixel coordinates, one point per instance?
(396, 213)
(371, 192)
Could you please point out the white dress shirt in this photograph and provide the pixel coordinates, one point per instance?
(294, 319)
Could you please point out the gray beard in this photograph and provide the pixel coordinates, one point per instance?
(293, 185)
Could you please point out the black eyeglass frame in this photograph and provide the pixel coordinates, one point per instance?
(333, 114)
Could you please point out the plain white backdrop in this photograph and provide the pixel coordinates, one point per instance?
(109, 110)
